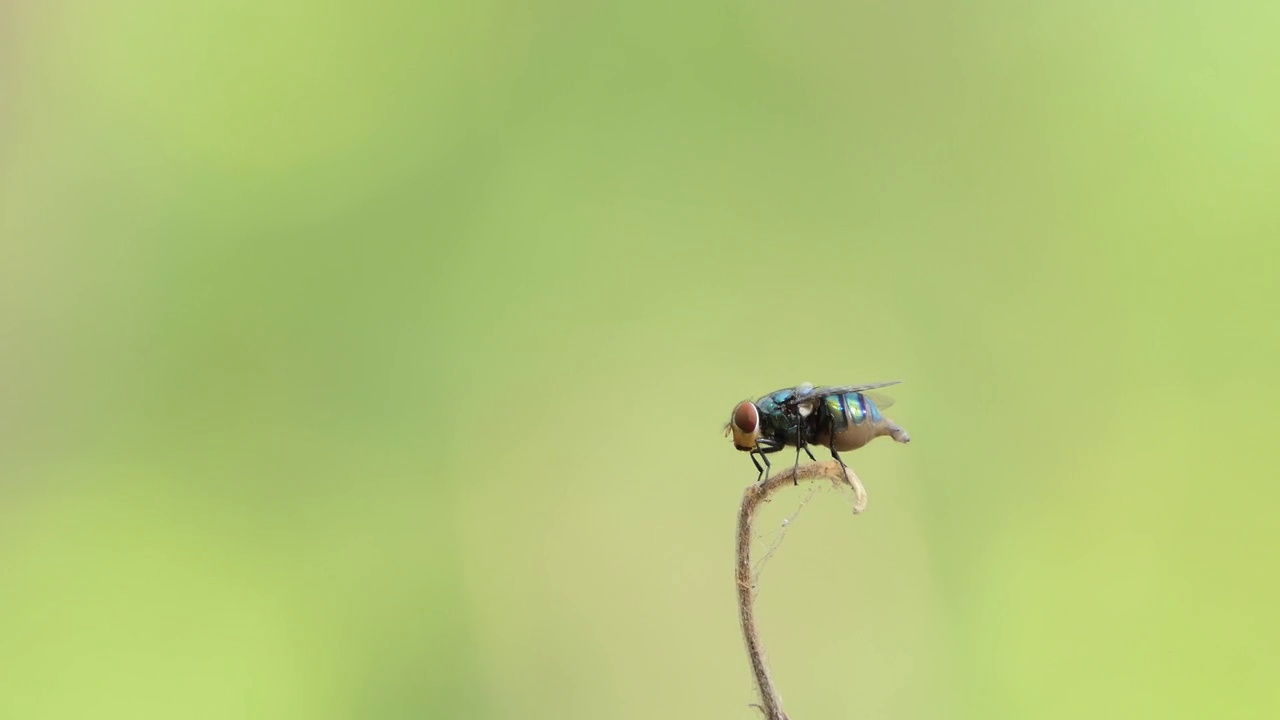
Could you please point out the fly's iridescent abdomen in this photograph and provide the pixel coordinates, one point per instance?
(850, 420)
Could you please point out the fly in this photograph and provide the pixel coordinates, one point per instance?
(838, 417)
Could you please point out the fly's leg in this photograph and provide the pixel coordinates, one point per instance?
(763, 472)
(795, 469)
(763, 447)
(859, 493)
(759, 470)
(799, 444)
(843, 467)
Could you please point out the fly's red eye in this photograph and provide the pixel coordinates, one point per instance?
(745, 417)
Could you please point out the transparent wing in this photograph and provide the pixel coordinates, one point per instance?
(841, 389)
(881, 400)
(807, 392)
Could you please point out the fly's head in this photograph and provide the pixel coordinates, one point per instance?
(744, 426)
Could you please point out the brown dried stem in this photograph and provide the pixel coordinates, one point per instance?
(751, 498)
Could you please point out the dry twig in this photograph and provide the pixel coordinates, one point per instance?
(751, 499)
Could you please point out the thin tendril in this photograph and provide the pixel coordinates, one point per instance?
(752, 497)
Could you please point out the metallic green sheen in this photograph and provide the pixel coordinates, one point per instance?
(773, 421)
(874, 411)
(835, 410)
(856, 409)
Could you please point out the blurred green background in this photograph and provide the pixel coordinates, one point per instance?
(370, 360)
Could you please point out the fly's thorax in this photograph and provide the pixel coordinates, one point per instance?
(778, 423)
